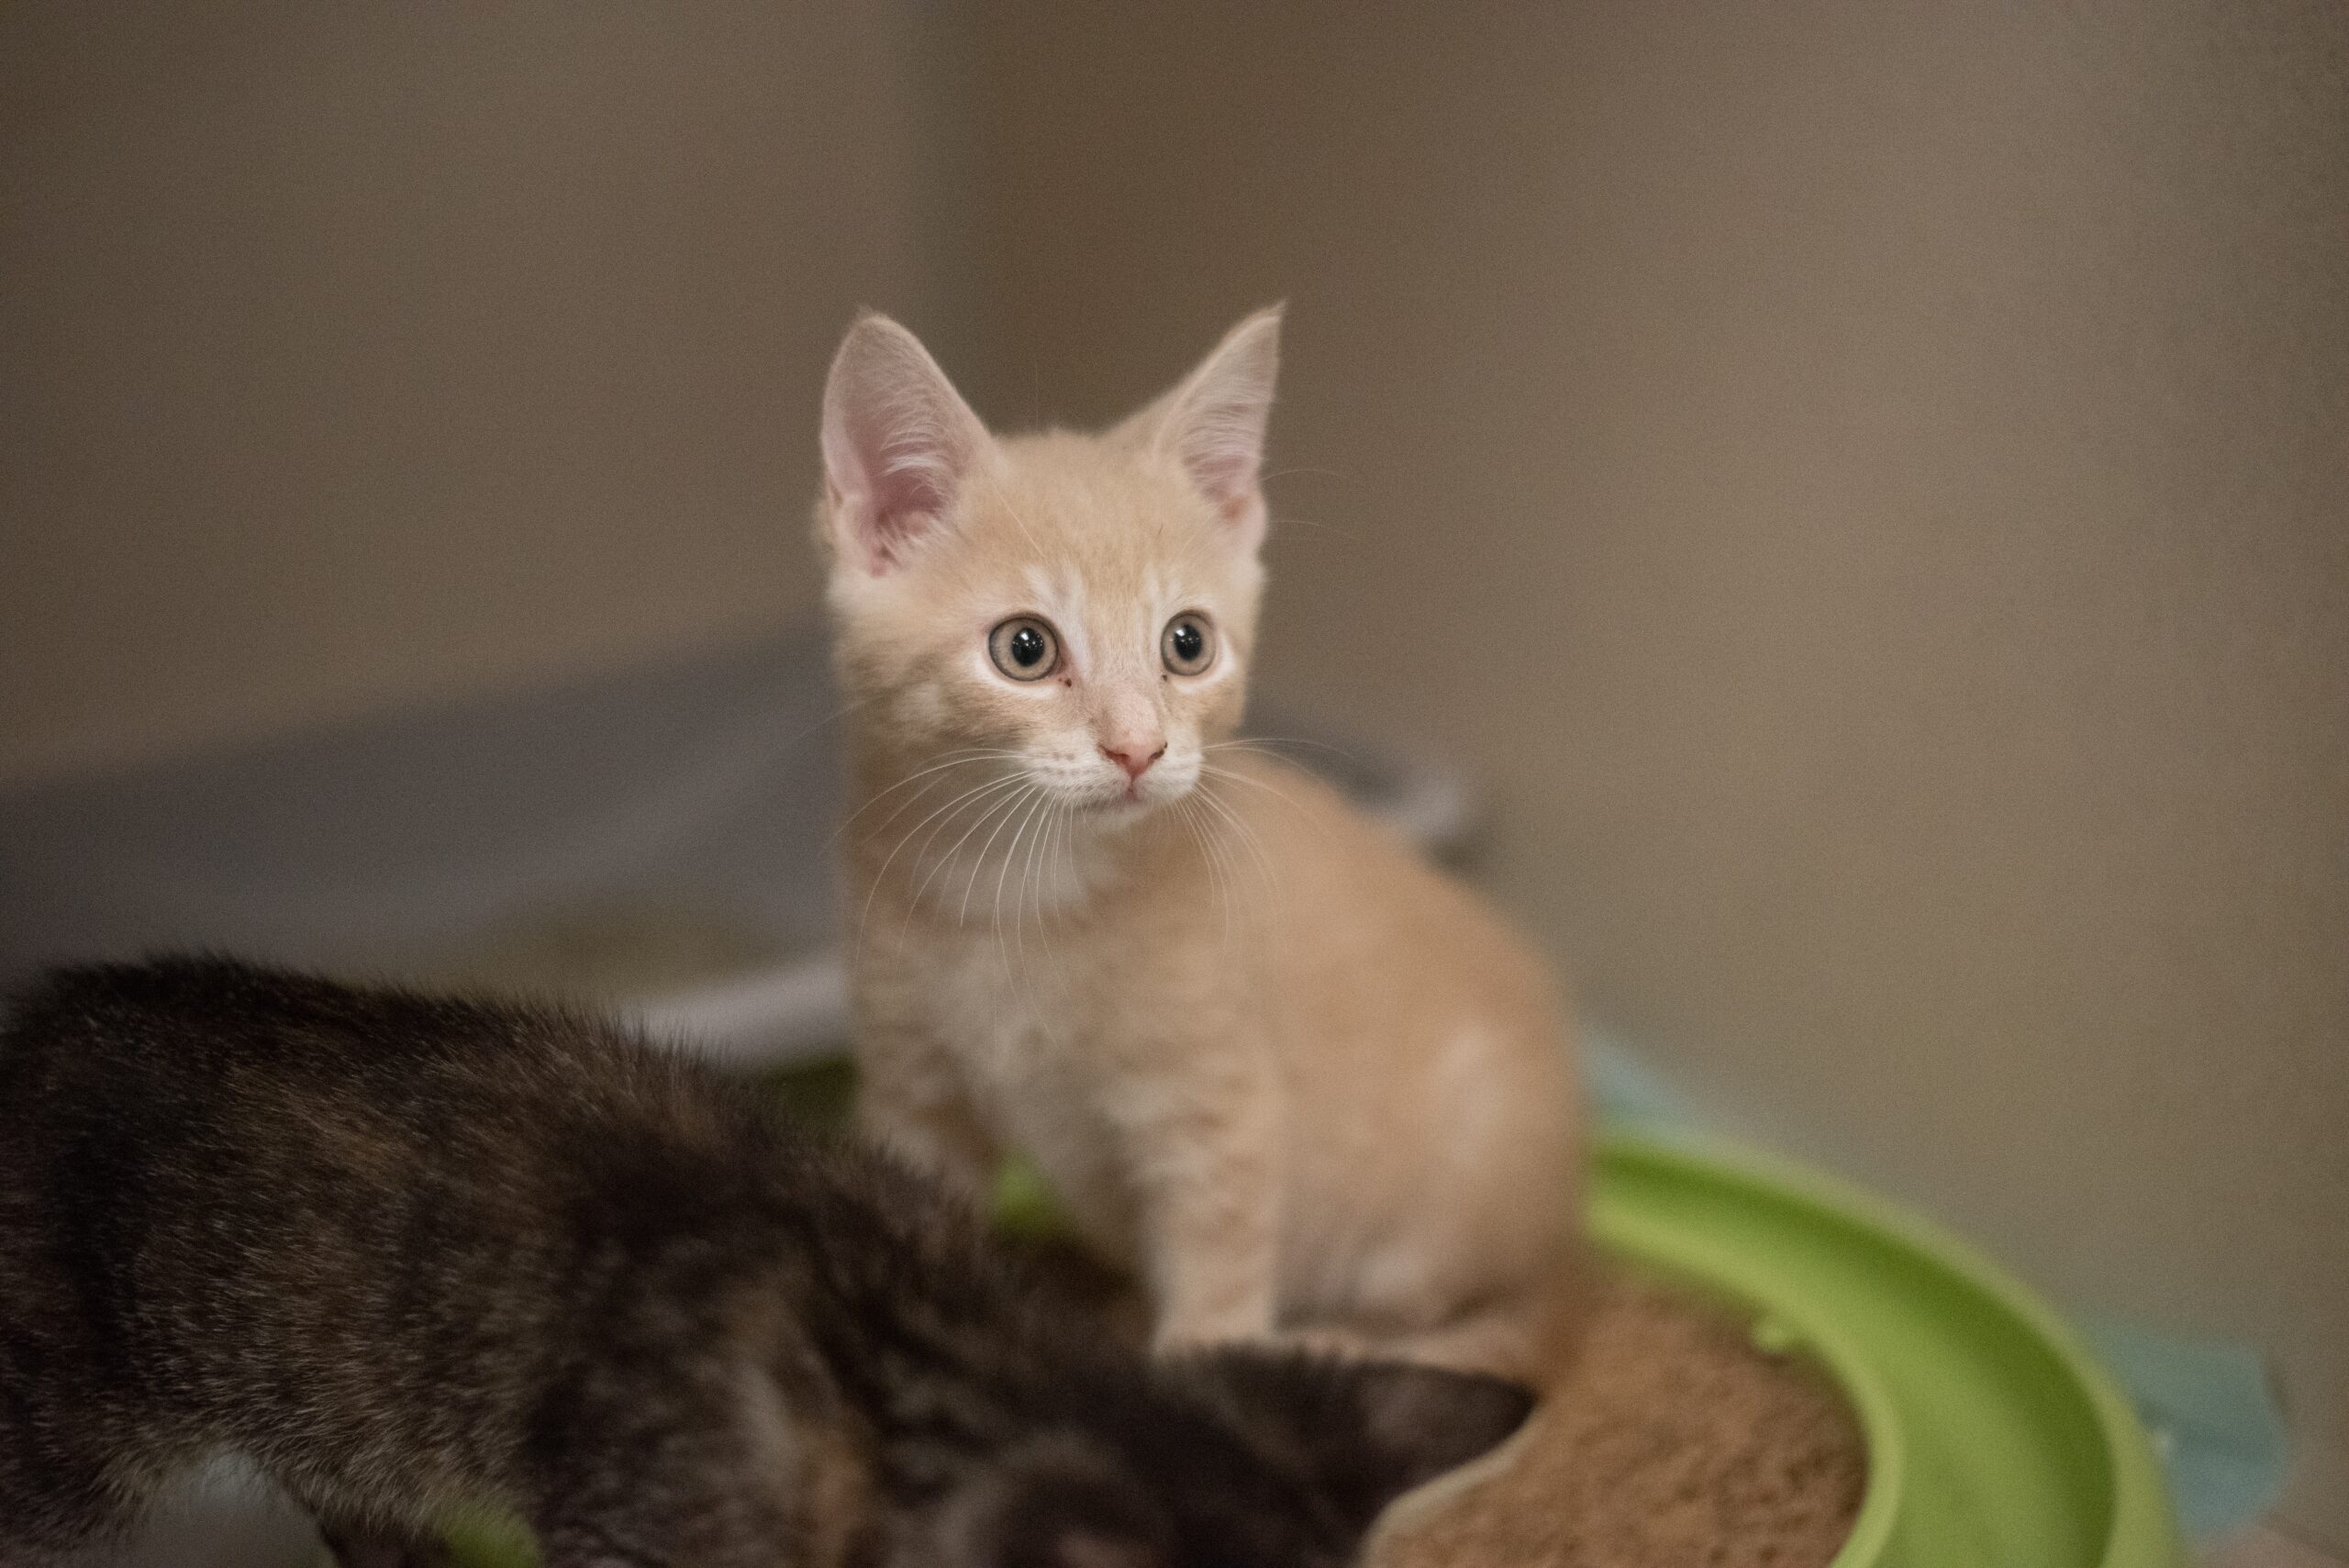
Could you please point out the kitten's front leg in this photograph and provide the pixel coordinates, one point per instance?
(1205, 1155)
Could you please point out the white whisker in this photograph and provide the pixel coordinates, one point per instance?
(865, 916)
(979, 860)
(832, 717)
(1211, 856)
(1000, 804)
(1265, 745)
(1208, 770)
(1010, 852)
(950, 759)
(1247, 836)
(1040, 858)
(1027, 871)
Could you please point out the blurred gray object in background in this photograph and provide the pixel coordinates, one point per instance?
(659, 839)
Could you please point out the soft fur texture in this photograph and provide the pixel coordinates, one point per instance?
(1301, 1081)
(407, 1252)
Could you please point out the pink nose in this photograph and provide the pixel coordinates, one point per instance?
(1133, 759)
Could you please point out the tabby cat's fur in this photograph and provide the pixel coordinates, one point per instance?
(406, 1251)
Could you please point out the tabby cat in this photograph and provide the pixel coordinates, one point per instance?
(410, 1252)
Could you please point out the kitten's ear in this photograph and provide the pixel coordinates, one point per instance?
(1053, 1509)
(898, 444)
(1213, 422)
(1368, 1432)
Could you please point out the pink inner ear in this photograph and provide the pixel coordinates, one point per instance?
(901, 502)
(897, 441)
(1222, 446)
(1229, 483)
(1215, 421)
(894, 481)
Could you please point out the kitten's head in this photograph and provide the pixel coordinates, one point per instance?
(1284, 1463)
(1075, 611)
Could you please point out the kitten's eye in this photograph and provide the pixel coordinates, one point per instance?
(1024, 648)
(1188, 646)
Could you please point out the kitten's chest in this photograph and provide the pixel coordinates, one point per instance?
(1128, 979)
(1024, 1039)
(1011, 1017)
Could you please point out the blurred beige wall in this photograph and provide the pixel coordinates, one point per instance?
(351, 356)
(1870, 484)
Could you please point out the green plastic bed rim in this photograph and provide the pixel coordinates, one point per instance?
(1993, 1439)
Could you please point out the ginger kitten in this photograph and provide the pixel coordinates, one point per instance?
(1302, 1082)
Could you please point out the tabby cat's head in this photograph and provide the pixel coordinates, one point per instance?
(1074, 611)
(1273, 1459)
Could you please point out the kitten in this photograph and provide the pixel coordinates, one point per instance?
(1300, 1081)
(408, 1251)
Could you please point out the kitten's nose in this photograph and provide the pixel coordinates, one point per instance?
(1133, 759)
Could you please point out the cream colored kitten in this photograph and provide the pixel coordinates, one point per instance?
(1265, 1054)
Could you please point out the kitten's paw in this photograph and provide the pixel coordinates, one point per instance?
(1200, 1331)
(1329, 1340)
